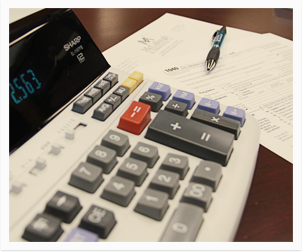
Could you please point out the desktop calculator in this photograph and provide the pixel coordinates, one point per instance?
(133, 154)
(97, 154)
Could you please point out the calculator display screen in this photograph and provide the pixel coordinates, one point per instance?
(51, 60)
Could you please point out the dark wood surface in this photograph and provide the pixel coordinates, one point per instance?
(268, 214)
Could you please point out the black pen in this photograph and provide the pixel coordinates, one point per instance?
(214, 53)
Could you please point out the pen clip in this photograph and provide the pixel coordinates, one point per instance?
(214, 35)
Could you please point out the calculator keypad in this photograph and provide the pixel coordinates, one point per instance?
(206, 135)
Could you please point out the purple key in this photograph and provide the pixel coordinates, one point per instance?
(209, 105)
(81, 235)
(235, 113)
(161, 89)
(186, 97)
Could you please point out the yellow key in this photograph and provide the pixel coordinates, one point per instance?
(137, 76)
(131, 84)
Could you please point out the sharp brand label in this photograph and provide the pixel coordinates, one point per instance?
(171, 69)
(72, 43)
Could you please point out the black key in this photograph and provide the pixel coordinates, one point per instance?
(184, 224)
(177, 107)
(63, 206)
(123, 92)
(191, 137)
(43, 228)
(112, 78)
(94, 94)
(152, 99)
(82, 104)
(103, 85)
(114, 100)
(217, 121)
(102, 112)
(98, 220)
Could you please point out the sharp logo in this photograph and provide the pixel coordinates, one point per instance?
(145, 41)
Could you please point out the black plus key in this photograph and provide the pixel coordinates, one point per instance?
(217, 121)
(191, 137)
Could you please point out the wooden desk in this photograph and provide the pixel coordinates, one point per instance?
(268, 214)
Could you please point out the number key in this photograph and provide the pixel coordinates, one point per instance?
(165, 181)
(119, 190)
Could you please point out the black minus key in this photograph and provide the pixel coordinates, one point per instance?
(217, 121)
(191, 137)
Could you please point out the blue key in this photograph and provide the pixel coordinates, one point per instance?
(235, 113)
(81, 235)
(161, 89)
(186, 97)
(209, 105)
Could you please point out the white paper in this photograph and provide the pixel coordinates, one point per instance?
(254, 75)
(168, 36)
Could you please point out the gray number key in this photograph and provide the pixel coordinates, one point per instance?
(176, 163)
(153, 204)
(146, 153)
(199, 195)
(165, 181)
(119, 190)
(116, 141)
(87, 177)
(103, 157)
(184, 224)
(134, 170)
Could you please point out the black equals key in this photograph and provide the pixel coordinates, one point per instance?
(217, 121)
(192, 137)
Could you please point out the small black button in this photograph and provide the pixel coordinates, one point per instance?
(43, 228)
(63, 206)
(98, 220)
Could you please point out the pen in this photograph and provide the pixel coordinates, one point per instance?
(213, 55)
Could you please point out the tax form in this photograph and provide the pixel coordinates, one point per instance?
(253, 75)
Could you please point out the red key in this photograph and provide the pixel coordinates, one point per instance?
(136, 118)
